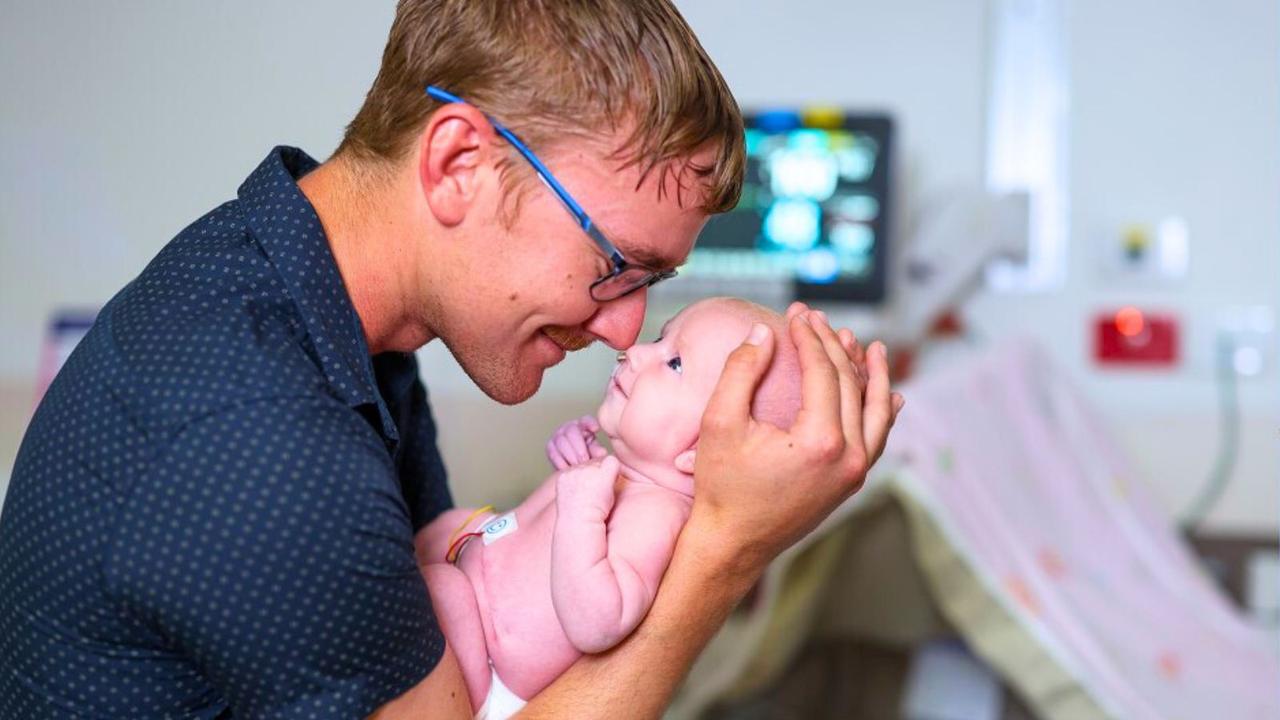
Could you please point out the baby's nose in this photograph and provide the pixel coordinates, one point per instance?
(638, 356)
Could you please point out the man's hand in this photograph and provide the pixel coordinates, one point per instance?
(759, 489)
(574, 443)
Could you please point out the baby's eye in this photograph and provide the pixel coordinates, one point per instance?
(674, 364)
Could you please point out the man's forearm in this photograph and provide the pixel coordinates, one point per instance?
(641, 674)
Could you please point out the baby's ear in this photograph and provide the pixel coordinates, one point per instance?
(686, 459)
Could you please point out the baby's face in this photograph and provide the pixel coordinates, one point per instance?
(653, 406)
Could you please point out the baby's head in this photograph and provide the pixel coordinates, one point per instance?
(652, 409)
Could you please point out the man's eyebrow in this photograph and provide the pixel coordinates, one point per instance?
(641, 254)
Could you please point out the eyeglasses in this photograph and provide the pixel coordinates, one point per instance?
(626, 277)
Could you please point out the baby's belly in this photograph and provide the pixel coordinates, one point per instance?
(512, 578)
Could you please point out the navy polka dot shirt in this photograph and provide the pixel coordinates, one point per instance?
(212, 512)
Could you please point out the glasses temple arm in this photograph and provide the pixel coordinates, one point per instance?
(543, 173)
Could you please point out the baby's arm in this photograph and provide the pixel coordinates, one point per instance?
(574, 443)
(605, 572)
(432, 541)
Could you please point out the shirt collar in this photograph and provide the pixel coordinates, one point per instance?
(287, 227)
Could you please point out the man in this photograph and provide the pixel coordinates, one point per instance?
(213, 511)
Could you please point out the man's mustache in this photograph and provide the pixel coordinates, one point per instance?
(570, 340)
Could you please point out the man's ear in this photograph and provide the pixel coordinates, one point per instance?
(452, 155)
(686, 460)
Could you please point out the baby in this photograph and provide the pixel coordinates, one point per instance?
(575, 567)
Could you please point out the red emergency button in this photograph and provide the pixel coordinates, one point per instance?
(1131, 337)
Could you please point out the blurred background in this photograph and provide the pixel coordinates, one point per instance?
(1097, 180)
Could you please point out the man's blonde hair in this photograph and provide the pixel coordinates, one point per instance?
(557, 69)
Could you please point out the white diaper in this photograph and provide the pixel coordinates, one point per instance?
(500, 703)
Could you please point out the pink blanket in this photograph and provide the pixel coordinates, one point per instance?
(1031, 488)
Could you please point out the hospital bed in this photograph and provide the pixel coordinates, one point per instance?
(1002, 511)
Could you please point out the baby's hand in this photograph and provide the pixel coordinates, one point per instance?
(585, 487)
(575, 443)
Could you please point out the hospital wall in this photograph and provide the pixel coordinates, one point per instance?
(122, 122)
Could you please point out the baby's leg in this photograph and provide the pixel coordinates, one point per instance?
(432, 542)
(454, 600)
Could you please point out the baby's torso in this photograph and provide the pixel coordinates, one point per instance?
(509, 566)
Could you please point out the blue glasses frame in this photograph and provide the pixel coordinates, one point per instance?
(626, 277)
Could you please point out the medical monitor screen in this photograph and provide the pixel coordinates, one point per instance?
(813, 210)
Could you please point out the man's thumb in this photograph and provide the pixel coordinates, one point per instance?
(731, 402)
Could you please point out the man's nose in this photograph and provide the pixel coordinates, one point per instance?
(618, 322)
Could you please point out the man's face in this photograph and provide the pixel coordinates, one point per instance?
(526, 301)
(652, 408)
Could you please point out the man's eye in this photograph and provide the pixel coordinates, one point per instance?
(674, 364)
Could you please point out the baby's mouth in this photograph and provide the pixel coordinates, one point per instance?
(617, 385)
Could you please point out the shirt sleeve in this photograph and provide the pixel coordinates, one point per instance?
(271, 545)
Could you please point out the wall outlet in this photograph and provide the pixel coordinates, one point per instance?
(1245, 339)
(1157, 253)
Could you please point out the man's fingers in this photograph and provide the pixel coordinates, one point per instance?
(850, 343)
(846, 340)
(857, 354)
(819, 384)
(795, 309)
(850, 390)
(730, 403)
(878, 413)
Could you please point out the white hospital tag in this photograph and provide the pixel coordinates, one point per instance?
(499, 527)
